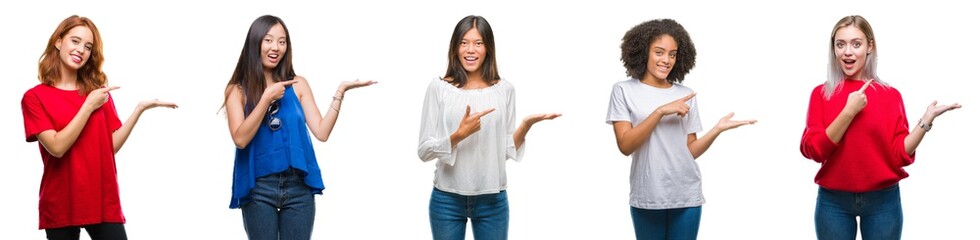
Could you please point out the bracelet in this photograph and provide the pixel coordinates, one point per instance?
(338, 98)
(924, 126)
(335, 109)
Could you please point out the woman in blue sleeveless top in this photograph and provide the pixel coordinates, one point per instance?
(269, 109)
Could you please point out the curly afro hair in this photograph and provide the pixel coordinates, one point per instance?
(636, 48)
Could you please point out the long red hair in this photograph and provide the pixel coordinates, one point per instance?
(90, 75)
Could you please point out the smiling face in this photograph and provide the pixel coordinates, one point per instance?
(852, 47)
(273, 47)
(75, 47)
(472, 52)
(663, 55)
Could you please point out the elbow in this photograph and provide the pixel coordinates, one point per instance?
(321, 138)
(625, 151)
(240, 144)
(57, 154)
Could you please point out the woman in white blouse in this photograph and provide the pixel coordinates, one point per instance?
(463, 129)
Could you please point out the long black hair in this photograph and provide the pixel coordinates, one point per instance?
(249, 72)
(455, 70)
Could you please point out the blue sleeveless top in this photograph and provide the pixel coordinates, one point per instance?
(275, 151)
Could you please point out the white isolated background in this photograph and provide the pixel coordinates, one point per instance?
(758, 59)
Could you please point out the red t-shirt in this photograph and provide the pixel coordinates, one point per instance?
(871, 154)
(79, 188)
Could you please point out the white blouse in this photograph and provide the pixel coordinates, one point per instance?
(476, 165)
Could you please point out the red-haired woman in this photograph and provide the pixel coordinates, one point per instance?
(72, 117)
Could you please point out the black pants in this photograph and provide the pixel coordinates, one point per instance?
(101, 231)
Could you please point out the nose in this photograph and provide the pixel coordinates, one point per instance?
(275, 47)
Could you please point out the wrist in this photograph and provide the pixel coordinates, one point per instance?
(925, 124)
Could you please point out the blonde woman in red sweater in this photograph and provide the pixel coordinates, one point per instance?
(857, 130)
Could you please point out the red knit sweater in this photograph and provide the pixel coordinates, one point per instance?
(871, 154)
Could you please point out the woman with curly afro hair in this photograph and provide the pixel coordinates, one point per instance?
(656, 122)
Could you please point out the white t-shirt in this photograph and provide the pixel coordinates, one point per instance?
(476, 165)
(664, 174)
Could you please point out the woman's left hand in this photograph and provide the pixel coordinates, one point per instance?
(348, 85)
(148, 104)
(534, 118)
(934, 111)
(727, 123)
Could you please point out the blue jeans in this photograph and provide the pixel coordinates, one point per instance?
(281, 207)
(674, 223)
(448, 213)
(880, 212)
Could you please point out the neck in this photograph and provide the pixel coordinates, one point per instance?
(68, 79)
(475, 80)
(268, 77)
(656, 82)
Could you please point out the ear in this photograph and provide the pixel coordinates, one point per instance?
(57, 44)
(871, 46)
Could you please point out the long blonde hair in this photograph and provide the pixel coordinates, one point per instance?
(834, 73)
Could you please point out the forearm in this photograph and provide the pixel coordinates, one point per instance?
(329, 120)
(61, 141)
(915, 136)
(243, 134)
(837, 128)
(120, 136)
(630, 140)
(520, 133)
(701, 145)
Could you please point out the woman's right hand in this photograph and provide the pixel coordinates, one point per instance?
(97, 97)
(276, 90)
(469, 125)
(678, 106)
(857, 99)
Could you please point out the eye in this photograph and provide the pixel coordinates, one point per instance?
(857, 44)
(282, 42)
(479, 44)
(839, 44)
(75, 41)
(88, 48)
(673, 55)
(267, 40)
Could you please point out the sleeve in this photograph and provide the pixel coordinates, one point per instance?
(36, 119)
(111, 116)
(815, 144)
(618, 109)
(517, 154)
(692, 121)
(434, 140)
(900, 133)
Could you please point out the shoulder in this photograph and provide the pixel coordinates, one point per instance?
(683, 89)
(301, 84)
(504, 84)
(37, 92)
(628, 83)
(439, 83)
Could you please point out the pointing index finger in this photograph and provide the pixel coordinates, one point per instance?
(484, 113)
(866, 83)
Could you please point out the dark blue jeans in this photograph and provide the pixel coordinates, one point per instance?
(673, 224)
(448, 213)
(281, 207)
(880, 212)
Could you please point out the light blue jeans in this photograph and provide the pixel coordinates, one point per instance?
(448, 213)
(281, 207)
(880, 212)
(660, 224)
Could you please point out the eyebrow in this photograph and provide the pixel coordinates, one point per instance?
(853, 39)
(664, 49)
(79, 39)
